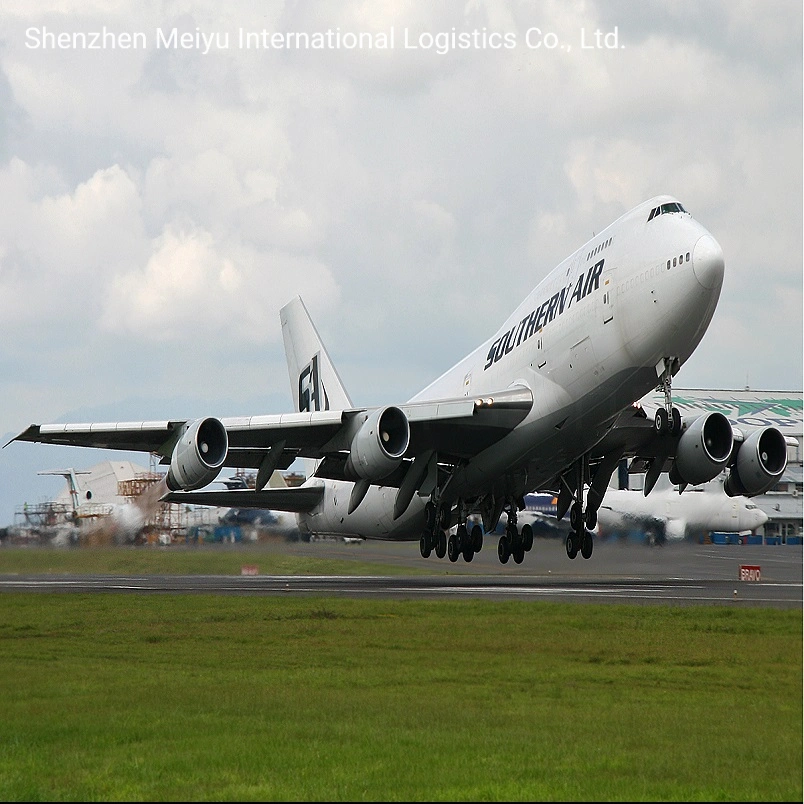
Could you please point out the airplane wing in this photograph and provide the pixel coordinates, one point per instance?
(455, 429)
(294, 499)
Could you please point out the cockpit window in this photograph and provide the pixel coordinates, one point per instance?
(673, 206)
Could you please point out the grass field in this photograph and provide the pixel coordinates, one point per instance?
(200, 697)
(206, 560)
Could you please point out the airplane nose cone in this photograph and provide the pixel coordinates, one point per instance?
(707, 262)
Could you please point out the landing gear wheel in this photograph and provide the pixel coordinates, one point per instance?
(503, 550)
(453, 548)
(519, 555)
(676, 421)
(661, 422)
(587, 543)
(477, 538)
(527, 537)
(468, 553)
(591, 519)
(425, 545)
(430, 516)
(441, 544)
(572, 546)
(576, 515)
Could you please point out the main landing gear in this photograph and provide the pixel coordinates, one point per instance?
(514, 542)
(581, 523)
(467, 540)
(463, 542)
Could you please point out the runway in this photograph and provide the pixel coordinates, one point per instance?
(676, 574)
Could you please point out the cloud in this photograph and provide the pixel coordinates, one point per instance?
(192, 286)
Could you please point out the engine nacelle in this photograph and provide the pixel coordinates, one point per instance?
(759, 464)
(379, 445)
(198, 456)
(703, 450)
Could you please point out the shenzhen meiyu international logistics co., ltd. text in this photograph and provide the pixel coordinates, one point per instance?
(205, 42)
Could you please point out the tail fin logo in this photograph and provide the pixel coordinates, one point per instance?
(311, 389)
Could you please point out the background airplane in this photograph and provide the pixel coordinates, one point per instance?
(103, 520)
(667, 515)
(664, 515)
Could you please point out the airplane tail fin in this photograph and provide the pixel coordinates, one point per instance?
(314, 381)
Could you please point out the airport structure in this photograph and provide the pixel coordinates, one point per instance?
(750, 409)
(112, 502)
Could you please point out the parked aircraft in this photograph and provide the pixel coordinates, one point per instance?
(546, 403)
(668, 515)
(122, 521)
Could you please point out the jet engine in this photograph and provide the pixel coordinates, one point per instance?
(760, 461)
(703, 450)
(198, 456)
(379, 445)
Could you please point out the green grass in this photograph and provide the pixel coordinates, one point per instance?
(179, 560)
(202, 697)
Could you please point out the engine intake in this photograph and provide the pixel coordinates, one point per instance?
(379, 445)
(703, 450)
(198, 456)
(759, 464)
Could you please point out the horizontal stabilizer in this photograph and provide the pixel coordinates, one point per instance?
(295, 499)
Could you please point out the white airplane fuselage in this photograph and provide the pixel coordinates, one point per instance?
(588, 341)
(697, 511)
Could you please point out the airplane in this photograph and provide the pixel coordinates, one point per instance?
(548, 402)
(669, 516)
(124, 521)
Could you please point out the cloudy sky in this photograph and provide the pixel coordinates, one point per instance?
(172, 173)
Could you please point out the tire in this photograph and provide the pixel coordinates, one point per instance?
(441, 544)
(503, 550)
(661, 423)
(477, 538)
(453, 548)
(425, 546)
(587, 544)
(468, 553)
(575, 515)
(527, 537)
(572, 547)
(676, 421)
(591, 518)
(519, 555)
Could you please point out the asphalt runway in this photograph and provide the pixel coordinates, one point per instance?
(673, 574)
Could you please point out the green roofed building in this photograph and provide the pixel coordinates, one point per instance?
(748, 409)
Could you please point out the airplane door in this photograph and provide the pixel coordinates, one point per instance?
(607, 284)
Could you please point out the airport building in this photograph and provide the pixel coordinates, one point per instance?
(749, 409)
